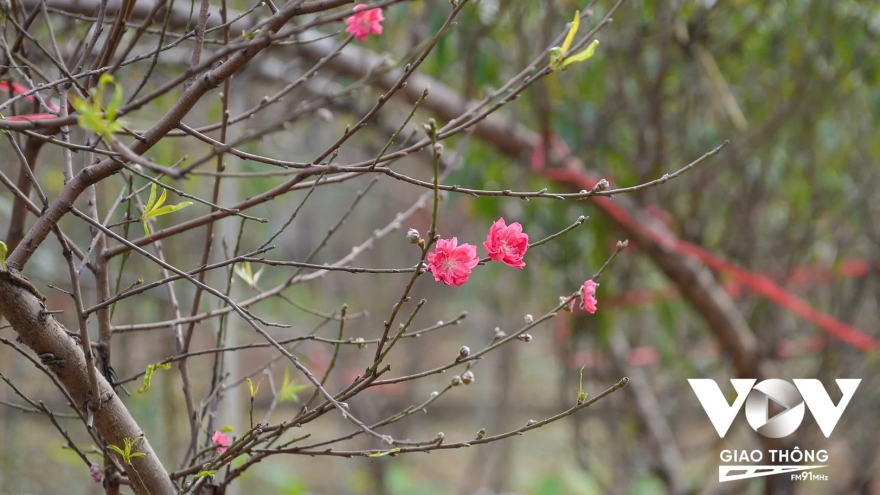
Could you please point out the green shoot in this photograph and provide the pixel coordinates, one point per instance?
(148, 376)
(559, 59)
(155, 209)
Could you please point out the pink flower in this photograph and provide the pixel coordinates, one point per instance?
(451, 263)
(507, 243)
(588, 296)
(221, 441)
(364, 22)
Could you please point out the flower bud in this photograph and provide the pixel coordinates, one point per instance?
(97, 475)
(467, 377)
(386, 439)
(529, 319)
(526, 337)
(562, 300)
(499, 334)
(360, 343)
(413, 236)
(463, 353)
(456, 381)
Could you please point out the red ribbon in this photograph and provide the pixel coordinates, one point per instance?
(572, 174)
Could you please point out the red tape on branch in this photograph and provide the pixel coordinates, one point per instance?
(17, 89)
(573, 175)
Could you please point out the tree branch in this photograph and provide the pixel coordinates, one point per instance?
(61, 354)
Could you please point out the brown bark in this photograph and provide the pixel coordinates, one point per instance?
(19, 208)
(62, 355)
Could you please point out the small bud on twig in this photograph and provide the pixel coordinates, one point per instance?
(602, 185)
(463, 353)
(467, 377)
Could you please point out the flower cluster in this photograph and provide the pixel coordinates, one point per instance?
(364, 22)
(452, 263)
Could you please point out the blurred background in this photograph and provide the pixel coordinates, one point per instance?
(787, 210)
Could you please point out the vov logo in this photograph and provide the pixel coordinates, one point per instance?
(757, 399)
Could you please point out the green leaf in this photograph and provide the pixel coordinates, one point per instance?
(226, 429)
(158, 212)
(572, 31)
(91, 114)
(88, 118)
(380, 454)
(104, 80)
(557, 54)
(3, 250)
(254, 389)
(246, 273)
(152, 201)
(558, 58)
(148, 375)
(583, 55)
(159, 203)
(250, 36)
(115, 102)
(127, 454)
(117, 450)
(582, 396)
(207, 474)
(155, 209)
(289, 389)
